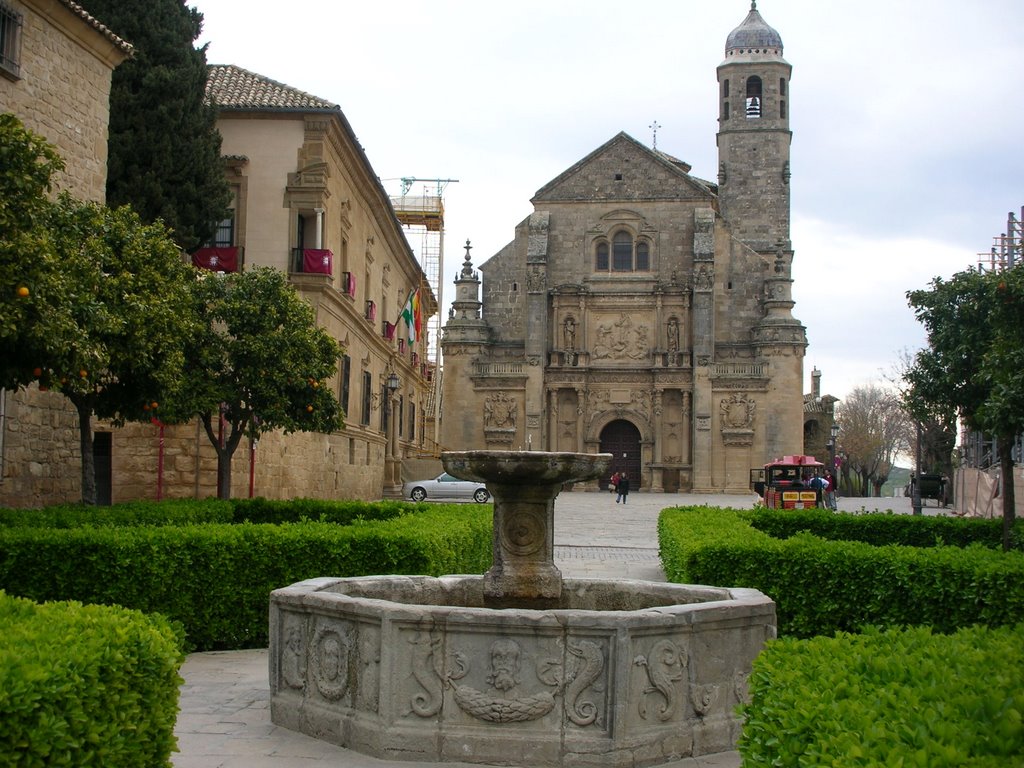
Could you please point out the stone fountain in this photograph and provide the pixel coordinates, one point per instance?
(518, 666)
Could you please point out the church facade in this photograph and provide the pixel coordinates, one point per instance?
(642, 311)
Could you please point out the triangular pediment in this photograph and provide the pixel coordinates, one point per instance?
(624, 169)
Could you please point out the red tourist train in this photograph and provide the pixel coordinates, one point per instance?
(786, 483)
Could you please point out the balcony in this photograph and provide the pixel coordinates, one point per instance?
(316, 261)
(219, 258)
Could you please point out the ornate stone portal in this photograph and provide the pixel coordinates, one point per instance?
(581, 672)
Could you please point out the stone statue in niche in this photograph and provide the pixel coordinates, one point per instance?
(673, 334)
(292, 661)
(569, 329)
(500, 411)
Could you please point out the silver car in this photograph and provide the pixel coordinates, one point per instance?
(444, 486)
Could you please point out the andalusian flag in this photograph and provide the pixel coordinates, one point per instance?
(413, 316)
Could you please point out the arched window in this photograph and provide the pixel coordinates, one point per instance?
(753, 97)
(623, 254)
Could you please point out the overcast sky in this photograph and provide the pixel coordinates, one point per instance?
(907, 121)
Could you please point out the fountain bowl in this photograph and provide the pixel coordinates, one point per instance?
(621, 674)
(519, 467)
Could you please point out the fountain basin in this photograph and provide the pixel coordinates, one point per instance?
(613, 673)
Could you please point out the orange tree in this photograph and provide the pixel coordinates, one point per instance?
(973, 366)
(259, 362)
(96, 303)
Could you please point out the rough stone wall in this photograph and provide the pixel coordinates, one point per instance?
(40, 462)
(302, 464)
(504, 290)
(64, 95)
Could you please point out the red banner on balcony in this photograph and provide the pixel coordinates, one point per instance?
(218, 259)
(389, 330)
(317, 260)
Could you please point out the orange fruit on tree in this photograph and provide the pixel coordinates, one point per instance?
(23, 291)
(37, 372)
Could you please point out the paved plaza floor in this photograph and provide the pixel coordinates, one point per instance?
(225, 700)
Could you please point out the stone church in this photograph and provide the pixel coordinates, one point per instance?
(643, 311)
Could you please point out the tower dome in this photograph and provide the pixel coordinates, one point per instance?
(753, 35)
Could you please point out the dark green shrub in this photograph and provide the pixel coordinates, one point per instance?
(881, 529)
(216, 579)
(820, 587)
(86, 685)
(260, 510)
(169, 512)
(889, 698)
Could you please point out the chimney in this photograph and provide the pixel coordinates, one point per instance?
(816, 383)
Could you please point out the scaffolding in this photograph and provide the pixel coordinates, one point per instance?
(422, 215)
(1006, 249)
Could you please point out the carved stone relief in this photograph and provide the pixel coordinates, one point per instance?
(500, 411)
(737, 411)
(704, 279)
(621, 339)
(508, 678)
(293, 671)
(665, 665)
(331, 647)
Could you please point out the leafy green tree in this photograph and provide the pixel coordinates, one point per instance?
(97, 303)
(164, 148)
(27, 268)
(258, 364)
(974, 364)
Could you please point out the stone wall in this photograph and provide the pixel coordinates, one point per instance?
(40, 461)
(63, 93)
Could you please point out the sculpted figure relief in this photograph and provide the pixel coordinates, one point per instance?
(500, 411)
(621, 339)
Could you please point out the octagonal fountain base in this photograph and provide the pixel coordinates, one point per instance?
(616, 673)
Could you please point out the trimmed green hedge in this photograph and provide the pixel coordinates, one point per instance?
(197, 512)
(216, 579)
(882, 529)
(889, 698)
(86, 685)
(821, 587)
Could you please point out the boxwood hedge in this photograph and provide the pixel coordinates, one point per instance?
(86, 685)
(889, 698)
(216, 578)
(822, 586)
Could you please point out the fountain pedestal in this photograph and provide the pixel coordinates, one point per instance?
(524, 485)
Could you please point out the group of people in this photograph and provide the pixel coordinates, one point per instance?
(619, 485)
(825, 486)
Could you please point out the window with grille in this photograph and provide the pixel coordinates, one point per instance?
(10, 41)
(367, 398)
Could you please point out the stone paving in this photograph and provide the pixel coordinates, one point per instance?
(225, 699)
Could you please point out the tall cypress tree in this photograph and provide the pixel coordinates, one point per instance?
(164, 148)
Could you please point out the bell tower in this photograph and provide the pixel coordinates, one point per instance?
(754, 135)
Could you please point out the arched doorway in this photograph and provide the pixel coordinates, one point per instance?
(621, 439)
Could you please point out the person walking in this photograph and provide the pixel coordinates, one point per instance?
(830, 490)
(622, 489)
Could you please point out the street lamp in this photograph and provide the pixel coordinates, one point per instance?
(834, 432)
(392, 467)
